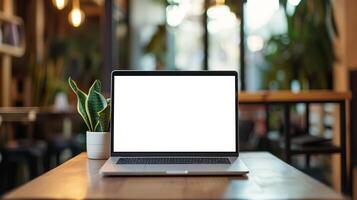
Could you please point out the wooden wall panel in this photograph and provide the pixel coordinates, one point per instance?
(346, 49)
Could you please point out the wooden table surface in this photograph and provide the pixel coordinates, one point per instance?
(269, 178)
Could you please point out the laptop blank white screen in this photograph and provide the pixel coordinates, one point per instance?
(174, 114)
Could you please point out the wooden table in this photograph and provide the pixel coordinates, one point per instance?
(269, 178)
(287, 98)
(29, 116)
(8, 115)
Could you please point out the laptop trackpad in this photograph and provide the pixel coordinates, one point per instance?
(130, 168)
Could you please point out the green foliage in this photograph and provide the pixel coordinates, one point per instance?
(305, 52)
(47, 81)
(81, 99)
(93, 108)
(76, 53)
(104, 117)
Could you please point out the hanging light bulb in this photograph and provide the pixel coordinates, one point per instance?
(76, 16)
(59, 4)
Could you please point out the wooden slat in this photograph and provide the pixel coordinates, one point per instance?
(6, 80)
(49, 110)
(10, 110)
(269, 178)
(6, 63)
(354, 183)
(287, 96)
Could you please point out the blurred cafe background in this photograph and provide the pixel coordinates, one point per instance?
(275, 45)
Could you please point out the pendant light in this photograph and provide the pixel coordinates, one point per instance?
(76, 16)
(60, 4)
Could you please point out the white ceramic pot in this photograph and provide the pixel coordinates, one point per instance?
(98, 145)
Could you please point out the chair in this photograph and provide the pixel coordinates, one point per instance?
(56, 146)
(246, 128)
(16, 152)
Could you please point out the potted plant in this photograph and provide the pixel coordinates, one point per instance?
(94, 109)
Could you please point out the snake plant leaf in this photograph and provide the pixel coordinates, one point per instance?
(96, 86)
(81, 99)
(98, 128)
(95, 102)
(104, 118)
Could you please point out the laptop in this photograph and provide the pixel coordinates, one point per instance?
(174, 123)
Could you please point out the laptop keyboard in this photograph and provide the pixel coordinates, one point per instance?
(172, 160)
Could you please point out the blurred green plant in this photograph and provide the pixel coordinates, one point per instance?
(93, 107)
(47, 81)
(305, 52)
(77, 54)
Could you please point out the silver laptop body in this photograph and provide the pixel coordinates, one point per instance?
(174, 123)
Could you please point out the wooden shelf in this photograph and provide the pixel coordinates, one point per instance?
(289, 97)
(13, 50)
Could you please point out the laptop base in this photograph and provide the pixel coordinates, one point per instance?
(111, 168)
